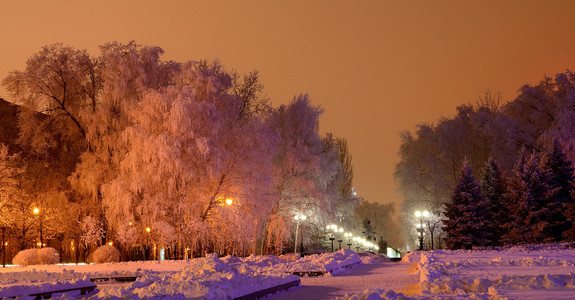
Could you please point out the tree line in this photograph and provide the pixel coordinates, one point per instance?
(125, 147)
(522, 133)
(534, 204)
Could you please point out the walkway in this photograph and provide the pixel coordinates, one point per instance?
(388, 276)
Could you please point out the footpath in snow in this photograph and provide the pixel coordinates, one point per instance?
(395, 276)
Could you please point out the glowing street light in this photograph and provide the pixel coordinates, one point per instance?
(297, 218)
(339, 238)
(348, 235)
(421, 227)
(332, 229)
(36, 211)
(229, 201)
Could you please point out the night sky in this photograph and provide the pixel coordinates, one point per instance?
(376, 67)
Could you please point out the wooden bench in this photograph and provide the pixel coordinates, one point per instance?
(268, 291)
(116, 279)
(48, 294)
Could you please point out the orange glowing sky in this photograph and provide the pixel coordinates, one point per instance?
(376, 67)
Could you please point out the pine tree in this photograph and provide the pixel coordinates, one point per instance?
(466, 224)
(528, 197)
(561, 182)
(493, 187)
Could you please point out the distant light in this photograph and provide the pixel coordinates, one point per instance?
(425, 213)
(36, 210)
(129, 223)
(341, 230)
(148, 229)
(111, 243)
(418, 214)
(229, 201)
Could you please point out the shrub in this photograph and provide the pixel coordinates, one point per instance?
(44, 256)
(48, 256)
(105, 254)
(26, 257)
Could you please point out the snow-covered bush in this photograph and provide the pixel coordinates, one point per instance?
(48, 256)
(105, 254)
(26, 257)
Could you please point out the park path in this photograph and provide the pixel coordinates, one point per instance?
(397, 276)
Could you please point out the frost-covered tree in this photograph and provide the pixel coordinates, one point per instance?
(58, 82)
(561, 182)
(466, 216)
(493, 188)
(528, 196)
(300, 171)
(9, 187)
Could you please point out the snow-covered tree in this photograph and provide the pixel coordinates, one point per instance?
(561, 182)
(466, 216)
(92, 231)
(9, 187)
(301, 171)
(59, 82)
(493, 187)
(528, 196)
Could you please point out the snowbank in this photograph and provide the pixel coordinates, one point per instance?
(516, 272)
(208, 277)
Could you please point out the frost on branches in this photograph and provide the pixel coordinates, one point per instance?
(185, 156)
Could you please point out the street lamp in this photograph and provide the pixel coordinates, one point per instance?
(297, 218)
(421, 227)
(339, 238)
(36, 211)
(332, 229)
(3, 247)
(348, 235)
(356, 241)
(229, 201)
(146, 249)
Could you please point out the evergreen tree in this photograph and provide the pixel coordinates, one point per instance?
(561, 182)
(493, 187)
(528, 196)
(466, 214)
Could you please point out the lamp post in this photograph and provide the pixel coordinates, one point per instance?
(339, 238)
(332, 229)
(148, 230)
(421, 227)
(3, 247)
(356, 241)
(297, 218)
(348, 235)
(36, 211)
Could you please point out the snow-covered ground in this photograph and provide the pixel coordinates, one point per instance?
(209, 277)
(520, 272)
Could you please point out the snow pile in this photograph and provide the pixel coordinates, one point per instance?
(372, 258)
(331, 262)
(412, 257)
(375, 295)
(34, 281)
(209, 278)
(508, 272)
